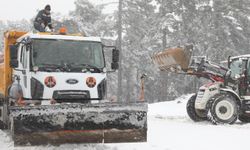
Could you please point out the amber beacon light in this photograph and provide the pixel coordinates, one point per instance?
(63, 30)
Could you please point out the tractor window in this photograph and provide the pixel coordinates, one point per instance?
(248, 68)
(236, 67)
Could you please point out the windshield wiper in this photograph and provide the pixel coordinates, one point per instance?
(88, 66)
(53, 66)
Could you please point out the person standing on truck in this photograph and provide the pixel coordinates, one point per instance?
(43, 19)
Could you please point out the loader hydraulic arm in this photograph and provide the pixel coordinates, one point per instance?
(206, 69)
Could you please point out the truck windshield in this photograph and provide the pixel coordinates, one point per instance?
(67, 52)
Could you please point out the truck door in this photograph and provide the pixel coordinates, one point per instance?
(248, 76)
(23, 70)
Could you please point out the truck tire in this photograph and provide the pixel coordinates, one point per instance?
(223, 110)
(194, 114)
(2, 124)
(244, 118)
(4, 113)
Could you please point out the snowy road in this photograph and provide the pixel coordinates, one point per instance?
(169, 128)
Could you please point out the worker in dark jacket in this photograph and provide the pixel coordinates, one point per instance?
(43, 19)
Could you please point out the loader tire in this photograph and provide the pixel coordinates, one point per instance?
(194, 114)
(223, 110)
(2, 125)
(244, 118)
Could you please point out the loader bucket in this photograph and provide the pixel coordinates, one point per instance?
(79, 123)
(173, 59)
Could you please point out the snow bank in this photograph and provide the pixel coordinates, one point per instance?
(6, 142)
(176, 108)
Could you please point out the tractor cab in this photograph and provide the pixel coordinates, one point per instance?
(240, 73)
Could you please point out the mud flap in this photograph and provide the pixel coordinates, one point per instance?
(173, 59)
(79, 123)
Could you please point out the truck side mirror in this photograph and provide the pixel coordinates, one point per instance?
(13, 56)
(13, 63)
(115, 59)
(114, 65)
(115, 56)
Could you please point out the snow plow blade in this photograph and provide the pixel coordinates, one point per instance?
(173, 59)
(79, 123)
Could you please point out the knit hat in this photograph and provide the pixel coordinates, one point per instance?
(47, 7)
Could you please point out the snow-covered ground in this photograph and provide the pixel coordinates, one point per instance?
(169, 128)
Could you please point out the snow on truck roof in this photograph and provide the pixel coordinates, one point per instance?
(240, 56)
(59, 37)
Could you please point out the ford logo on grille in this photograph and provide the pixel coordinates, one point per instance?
(72, 81)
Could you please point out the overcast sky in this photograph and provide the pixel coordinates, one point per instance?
(26, 9)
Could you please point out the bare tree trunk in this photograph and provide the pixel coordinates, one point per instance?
(128, 86)
(119, 92)
(164, 39)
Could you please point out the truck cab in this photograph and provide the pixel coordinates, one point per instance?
(62, 68)
(52, 89)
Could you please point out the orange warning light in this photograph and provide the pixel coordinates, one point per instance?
(63, 30)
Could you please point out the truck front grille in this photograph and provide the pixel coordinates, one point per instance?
(71, 95)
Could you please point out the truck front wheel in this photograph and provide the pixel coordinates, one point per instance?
(194, 114)
(3, 114)
(223, 110)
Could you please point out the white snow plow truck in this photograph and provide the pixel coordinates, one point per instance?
(53, 91)
(222, 101)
